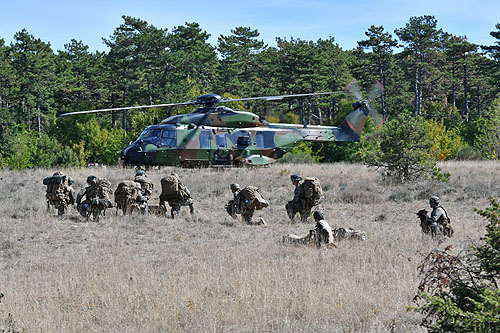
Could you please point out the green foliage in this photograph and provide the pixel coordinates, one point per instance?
(22, 147)
(446, 143)
(303, 153)
(459, 294)
(402, 149)
(468, 153)
(103, 144)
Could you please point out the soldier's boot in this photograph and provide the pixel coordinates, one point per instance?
(174, 213)
(61, 209)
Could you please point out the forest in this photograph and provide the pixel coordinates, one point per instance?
(438, 85)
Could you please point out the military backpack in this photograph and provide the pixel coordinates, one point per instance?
(57, 186)
(311, 188)
(104, 190)
(250, 198)
(169, 187)
(126, 193)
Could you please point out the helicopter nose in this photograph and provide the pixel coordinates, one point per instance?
(133, 153)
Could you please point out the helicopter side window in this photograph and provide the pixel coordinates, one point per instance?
(259, 139)
(168, 138)
(151, 136)
(204, 140)
(221, 140)
(244, 140)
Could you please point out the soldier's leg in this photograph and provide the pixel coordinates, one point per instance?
(176, 208)
(61, 208)
(229, 209)
(247, 216)
(304, 215)
(191, 208)
(290, 210)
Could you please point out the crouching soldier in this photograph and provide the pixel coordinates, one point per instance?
(59, 194)
(146, 190)
(306, 196)
(176, 194)
(97, 198)
(439, 217)
(245, 202)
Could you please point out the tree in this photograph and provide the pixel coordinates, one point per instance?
(402, 149)
(380, 43)
(240, 67)
(421, 39)
(33, 67)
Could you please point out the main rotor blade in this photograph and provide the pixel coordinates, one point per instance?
(126, 108)
(280, 97)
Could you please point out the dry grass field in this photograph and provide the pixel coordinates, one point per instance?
(213, 274)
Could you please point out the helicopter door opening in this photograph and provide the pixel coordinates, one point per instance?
(221, 155)
(259, 140)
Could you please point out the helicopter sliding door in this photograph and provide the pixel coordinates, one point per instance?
(167, 147)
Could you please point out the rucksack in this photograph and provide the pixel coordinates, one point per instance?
(57, 186)
(126, 193)
(250, 198)
(169, 186)
(146, 184)
(311, 188)
(104, 190)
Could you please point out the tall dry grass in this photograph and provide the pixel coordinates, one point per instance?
(210, 273)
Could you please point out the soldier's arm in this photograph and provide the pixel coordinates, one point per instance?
(297, 194)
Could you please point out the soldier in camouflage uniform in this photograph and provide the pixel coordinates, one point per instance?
(95, 202)
(89, 192)
(181, 198)
(298, 203)
(236, 206)
(59, 194)
(439, 216)
(146, 189)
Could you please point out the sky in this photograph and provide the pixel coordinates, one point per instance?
(347, 21)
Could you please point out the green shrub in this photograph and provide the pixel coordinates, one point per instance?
(468, 153)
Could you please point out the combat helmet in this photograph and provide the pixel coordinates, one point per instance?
(140, 172)
(91, 179)
(434, 200)
(234, 187)
(295, 178)
(318, 215)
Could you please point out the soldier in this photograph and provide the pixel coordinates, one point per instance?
(146, 189)
(322, 229)
(97, 198)
(321, 234)
(59, 194)
(296, 204)
(439, 216)
(89, 192)
(176, 194)
(245, 206)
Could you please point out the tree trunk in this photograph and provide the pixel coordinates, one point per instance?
(420, 79)
(415, 83)
(381, 79)
(466, 100)
(453, 94)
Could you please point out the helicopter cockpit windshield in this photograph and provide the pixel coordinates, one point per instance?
(151, 135)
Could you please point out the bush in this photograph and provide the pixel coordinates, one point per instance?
(468, 153)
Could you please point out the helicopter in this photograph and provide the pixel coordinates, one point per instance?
(215, 135)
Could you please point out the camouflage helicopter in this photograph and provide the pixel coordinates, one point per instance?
(215, 135)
